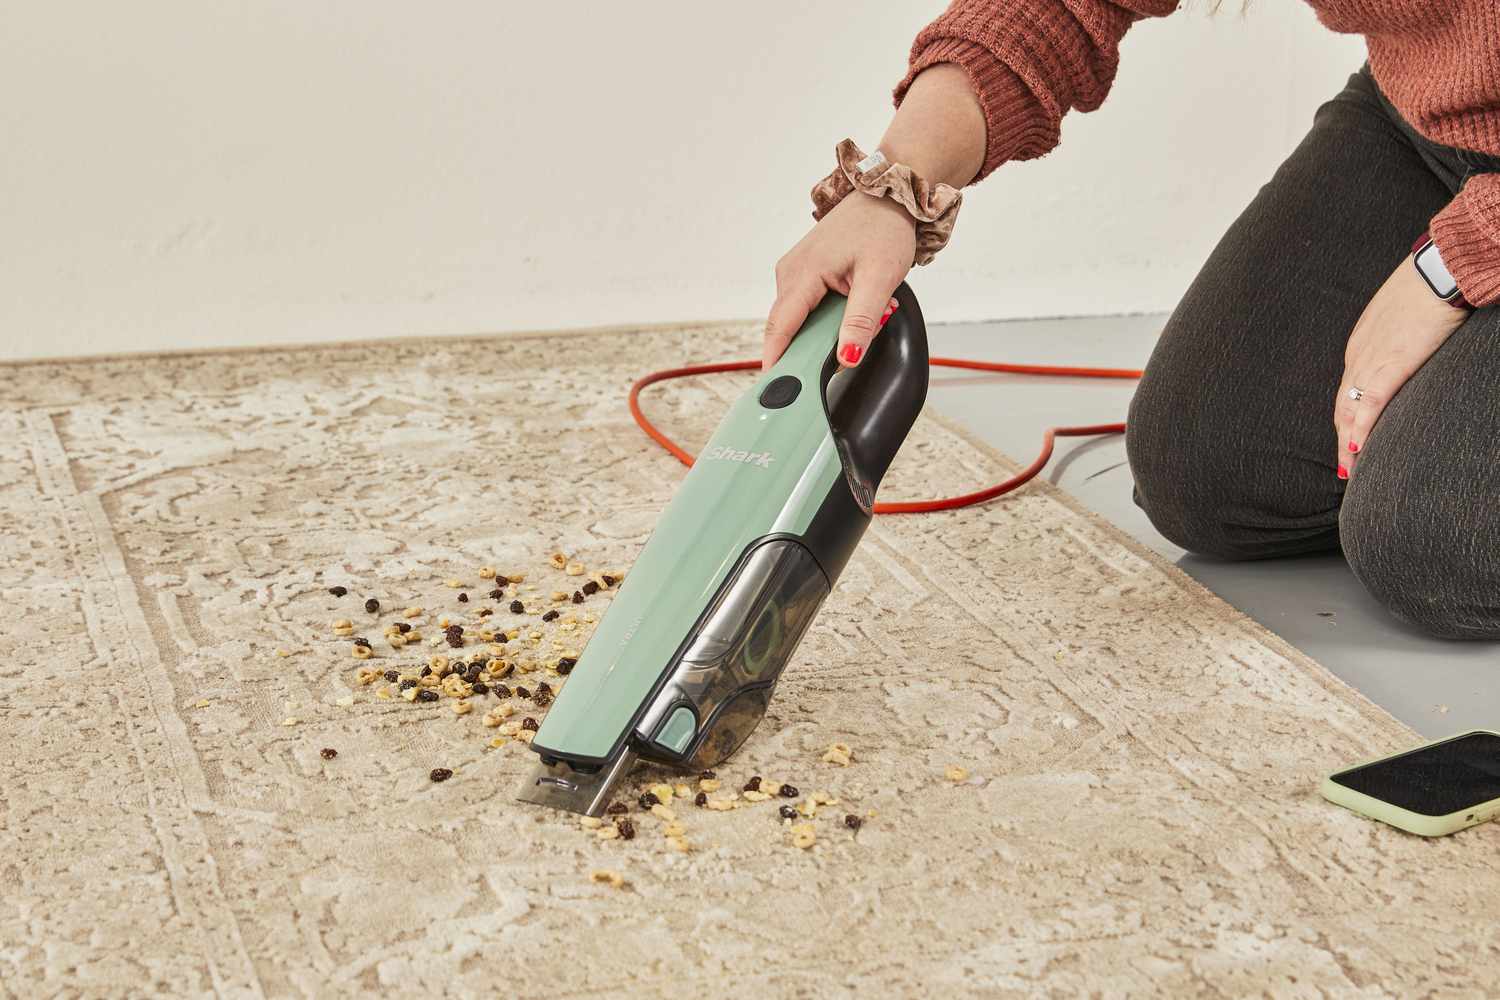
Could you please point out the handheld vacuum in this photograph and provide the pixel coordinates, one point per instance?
(683, 664)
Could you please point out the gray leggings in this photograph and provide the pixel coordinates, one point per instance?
(1230, 435)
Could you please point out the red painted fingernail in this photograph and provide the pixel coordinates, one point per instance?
(885, 319)
(1353, 446)
(851, 353)
(1343, 472)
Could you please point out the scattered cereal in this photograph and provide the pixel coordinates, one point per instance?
(604, 877)
(328, 753)
(372, 605)
(338, 591)
(955, 773)
(440, 774)
(838, 753)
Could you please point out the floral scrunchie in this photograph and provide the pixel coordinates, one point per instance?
(933, 206)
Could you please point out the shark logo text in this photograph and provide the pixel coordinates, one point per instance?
(722, 454)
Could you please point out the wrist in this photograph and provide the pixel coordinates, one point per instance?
(1427, 259)
(939, 129)
(933, 206)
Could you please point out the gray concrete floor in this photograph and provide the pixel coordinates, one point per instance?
(1436, 687)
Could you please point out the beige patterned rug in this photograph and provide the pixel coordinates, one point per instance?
(1139, 815)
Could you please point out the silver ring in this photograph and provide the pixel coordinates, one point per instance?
(1356, 393)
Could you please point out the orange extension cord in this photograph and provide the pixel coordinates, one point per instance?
(909, 506)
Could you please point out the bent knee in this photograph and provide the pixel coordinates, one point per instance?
(1164, 465)
(1226, 503)
(1431, 571)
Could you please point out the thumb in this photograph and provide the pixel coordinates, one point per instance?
(865, 313)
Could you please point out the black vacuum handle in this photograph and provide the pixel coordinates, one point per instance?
(872, 406)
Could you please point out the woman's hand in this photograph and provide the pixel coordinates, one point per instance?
(1401, 328)
(862, 249)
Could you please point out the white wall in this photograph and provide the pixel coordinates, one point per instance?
(186, 174)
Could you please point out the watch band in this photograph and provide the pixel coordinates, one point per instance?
(1455, 298)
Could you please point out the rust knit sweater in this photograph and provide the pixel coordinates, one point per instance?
(1031, 61)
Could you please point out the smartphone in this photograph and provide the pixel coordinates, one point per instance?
(1436, 789)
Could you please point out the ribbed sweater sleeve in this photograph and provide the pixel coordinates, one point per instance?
(1030, 62)
(1467, 234)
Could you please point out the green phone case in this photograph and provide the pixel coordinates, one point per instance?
(1404, 819)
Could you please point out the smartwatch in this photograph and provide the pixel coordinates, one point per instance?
(1429, 264)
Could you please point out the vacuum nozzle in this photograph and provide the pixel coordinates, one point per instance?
(560, 786)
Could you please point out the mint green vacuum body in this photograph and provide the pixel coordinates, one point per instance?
(683, 665)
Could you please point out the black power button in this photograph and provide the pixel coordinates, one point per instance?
(780, 392)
